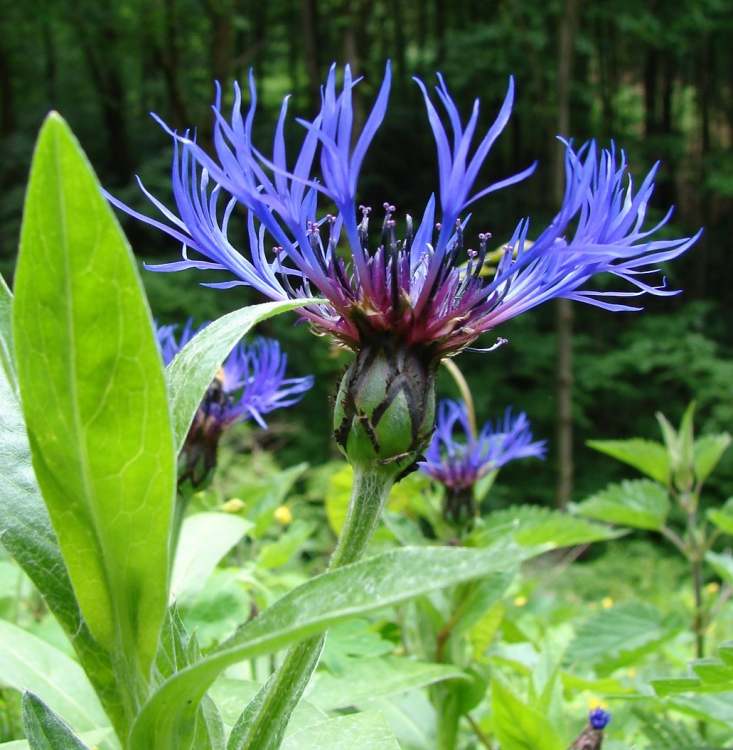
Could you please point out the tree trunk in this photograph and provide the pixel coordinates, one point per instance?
(309, 16)
(564, 310)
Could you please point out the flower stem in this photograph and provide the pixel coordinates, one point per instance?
(464, 390)
(279, 697)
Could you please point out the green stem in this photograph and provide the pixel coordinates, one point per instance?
(276, 701)
(464, 390)
(448, 717)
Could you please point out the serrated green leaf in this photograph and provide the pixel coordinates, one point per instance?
(619, 636)
(194, 367)
(535, 526)
(45, 730)
(366, 679)
(647, 456)
(366, 731)
(25, 531)
(95, 401)
(205, 539)
(519, 726)
(708, 676)
(28, 663)
(709, 449)
(723, 517)
(639, 503)
(361, 587)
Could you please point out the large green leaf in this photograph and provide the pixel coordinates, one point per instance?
(365, 731)
(95, 401)
(519, 726)
(648, 456)
(205, 539)
(25, 531)
(28, 663)
(45, 730)
(364, 586)
(366, 679)
(535, 526)
(709, 449)
(193, 369)
(639, 503)
(620, 636)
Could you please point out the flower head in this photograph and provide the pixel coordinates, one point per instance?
(250, 384)
(458, 458)
(599, 719)
(421, 287)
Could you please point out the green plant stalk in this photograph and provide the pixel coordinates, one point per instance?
(448, 712)
(280, 696)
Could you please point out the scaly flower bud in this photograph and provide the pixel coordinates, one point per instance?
(385, 406)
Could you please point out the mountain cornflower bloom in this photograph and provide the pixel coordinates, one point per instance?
(458, 458)
(413, 297)
(591, 738)
(250, 384)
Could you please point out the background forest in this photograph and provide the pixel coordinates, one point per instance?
(510, 655)
(655, 77)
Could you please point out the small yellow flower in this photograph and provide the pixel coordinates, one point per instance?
(283, 515)
(233, 506)
(607, 602)
(631, 672)
(520, 601)
(713, 587)
(594, 703)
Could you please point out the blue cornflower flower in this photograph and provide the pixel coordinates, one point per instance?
(423, 291)
(250, 384)
(458, 458)
(458, 461)
(599, 719)
(252, 379)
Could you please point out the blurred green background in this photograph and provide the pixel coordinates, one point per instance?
(656, 77)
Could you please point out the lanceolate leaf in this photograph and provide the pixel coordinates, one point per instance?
(709, 449)
(193, 369)
(95, 401)
(25, 531)
(309, 609)
(45, 730)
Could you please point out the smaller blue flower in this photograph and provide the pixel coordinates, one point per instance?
(250, 383)
(252, 379)
(458, 459)
(599, 719)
